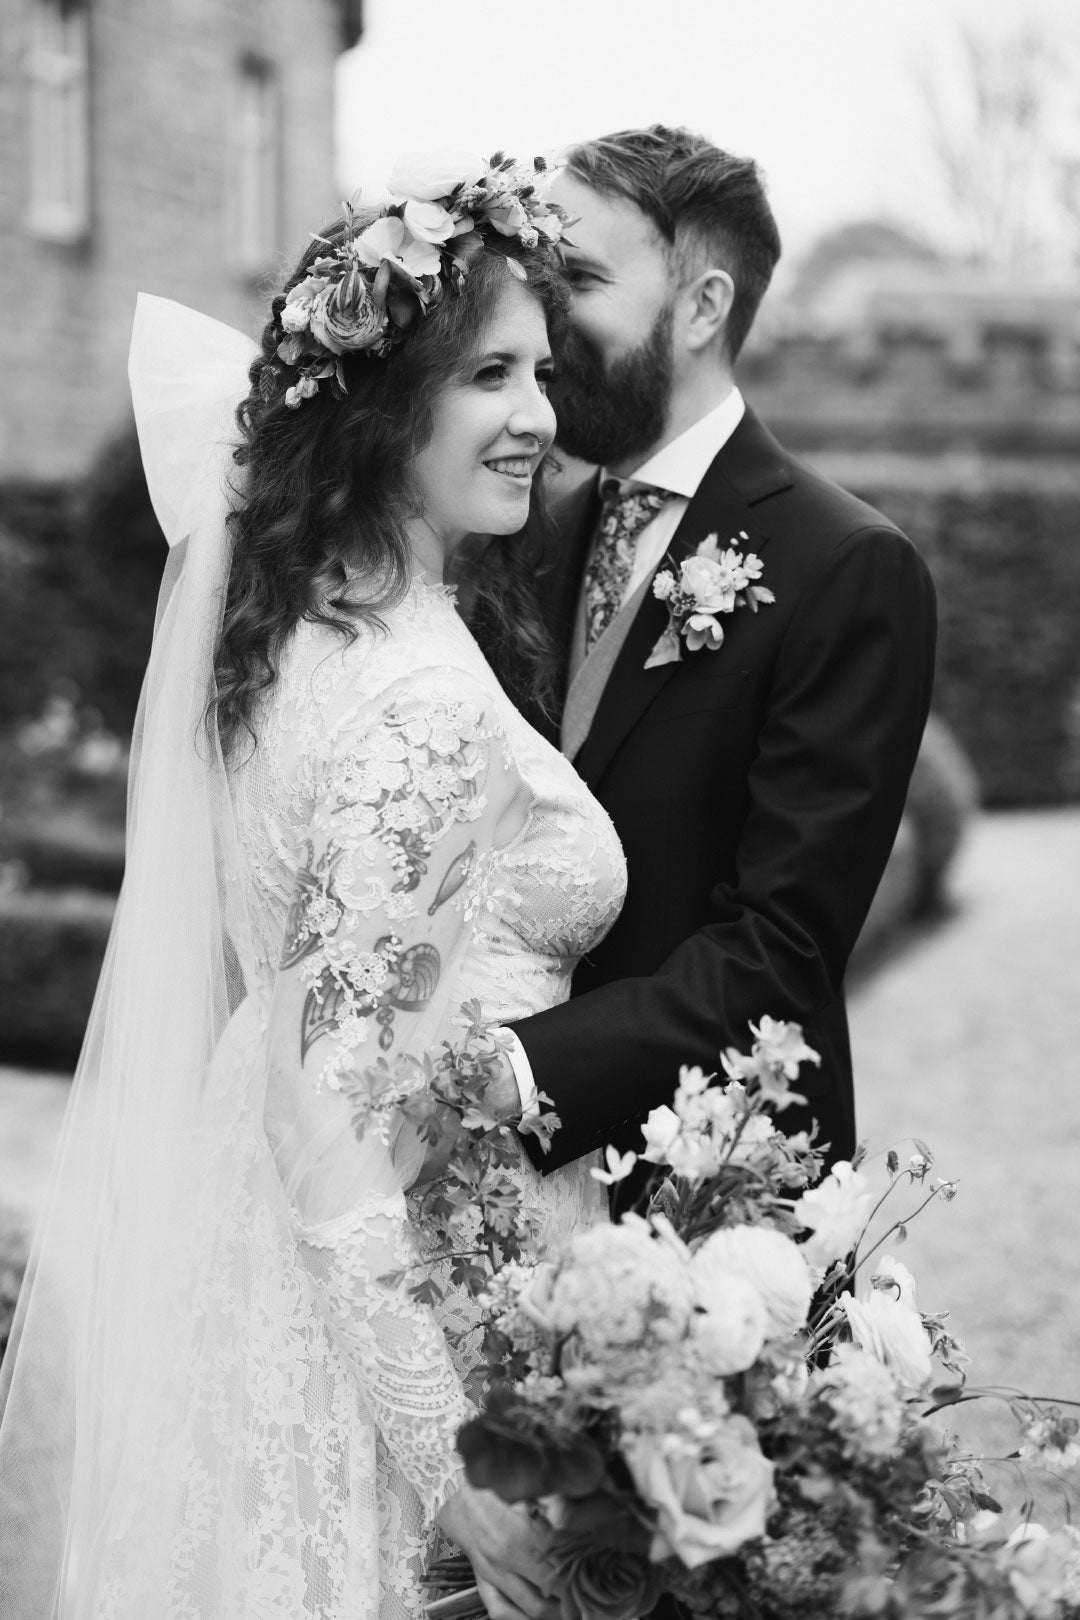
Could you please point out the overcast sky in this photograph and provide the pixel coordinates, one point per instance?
(824, 93)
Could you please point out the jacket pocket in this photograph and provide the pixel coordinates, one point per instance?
(721, 693)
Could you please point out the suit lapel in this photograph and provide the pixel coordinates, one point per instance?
(750, 467)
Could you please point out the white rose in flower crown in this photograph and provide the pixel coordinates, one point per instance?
(775, 1266)
(710, 1498)
(430, 221)
(836, 1211)
(428, 175)
(390, 239)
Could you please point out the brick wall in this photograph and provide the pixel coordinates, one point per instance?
(1015, 394)
(160, 78)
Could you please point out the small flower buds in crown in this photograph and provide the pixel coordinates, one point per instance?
(369, 290)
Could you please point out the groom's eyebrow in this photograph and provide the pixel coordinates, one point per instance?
(575, 258)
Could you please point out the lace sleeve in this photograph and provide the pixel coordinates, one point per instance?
(409, 806)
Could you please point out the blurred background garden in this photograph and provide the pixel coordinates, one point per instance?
(921, 345)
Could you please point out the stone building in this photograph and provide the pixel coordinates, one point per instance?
(881, 345)
(182, 147)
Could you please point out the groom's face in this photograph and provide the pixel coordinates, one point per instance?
(612, 384)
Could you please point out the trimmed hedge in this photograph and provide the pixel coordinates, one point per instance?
(1002, 540)
(14, 1251)
(52, 942)
(80, 567)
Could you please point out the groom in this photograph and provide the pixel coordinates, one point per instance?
(757, 787)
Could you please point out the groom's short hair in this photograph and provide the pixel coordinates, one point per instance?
(698, 197)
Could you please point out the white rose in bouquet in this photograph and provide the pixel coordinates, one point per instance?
(711, 1496)
(775, 1266)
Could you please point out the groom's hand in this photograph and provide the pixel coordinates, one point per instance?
(508, 1553)
(504, 1100)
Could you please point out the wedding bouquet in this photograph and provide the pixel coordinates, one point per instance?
(727, 1394)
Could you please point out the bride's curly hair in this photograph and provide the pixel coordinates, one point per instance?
(325, 491)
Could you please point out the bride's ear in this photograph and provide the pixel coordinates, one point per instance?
(709, 298)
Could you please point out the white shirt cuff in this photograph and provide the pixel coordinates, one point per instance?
(522, 1068)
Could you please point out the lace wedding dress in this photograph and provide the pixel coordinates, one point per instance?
(219, 1404)
(408, 844)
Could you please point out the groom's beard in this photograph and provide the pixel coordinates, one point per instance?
(611, 413)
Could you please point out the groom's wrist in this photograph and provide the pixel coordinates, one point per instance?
(520, 1072)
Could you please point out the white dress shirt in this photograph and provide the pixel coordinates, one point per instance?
(678, 468)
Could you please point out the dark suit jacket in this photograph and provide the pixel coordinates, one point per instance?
(757, 790)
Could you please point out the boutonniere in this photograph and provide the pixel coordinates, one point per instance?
(710, 582)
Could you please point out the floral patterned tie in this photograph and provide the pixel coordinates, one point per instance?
(622, 517)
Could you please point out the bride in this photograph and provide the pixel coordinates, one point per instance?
(221, 1403)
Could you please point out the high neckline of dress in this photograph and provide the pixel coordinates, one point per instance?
(422, 585)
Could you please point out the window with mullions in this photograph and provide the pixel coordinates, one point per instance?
(58, 85)
(254, 212)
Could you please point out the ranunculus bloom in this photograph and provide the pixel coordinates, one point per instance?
(344, 327)
(710, 1500)
(775, 1266)
(428, 175)
(836, 1211)
(728, 1333)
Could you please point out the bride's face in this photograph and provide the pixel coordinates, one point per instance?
(492, 426)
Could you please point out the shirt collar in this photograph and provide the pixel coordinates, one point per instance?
(681, 465)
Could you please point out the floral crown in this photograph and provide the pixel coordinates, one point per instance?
(368, 291)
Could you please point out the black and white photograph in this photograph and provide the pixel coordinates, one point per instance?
(539, 810)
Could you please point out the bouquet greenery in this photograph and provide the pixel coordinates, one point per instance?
(728, 1394)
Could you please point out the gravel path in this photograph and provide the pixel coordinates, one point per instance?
(970, 1039)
